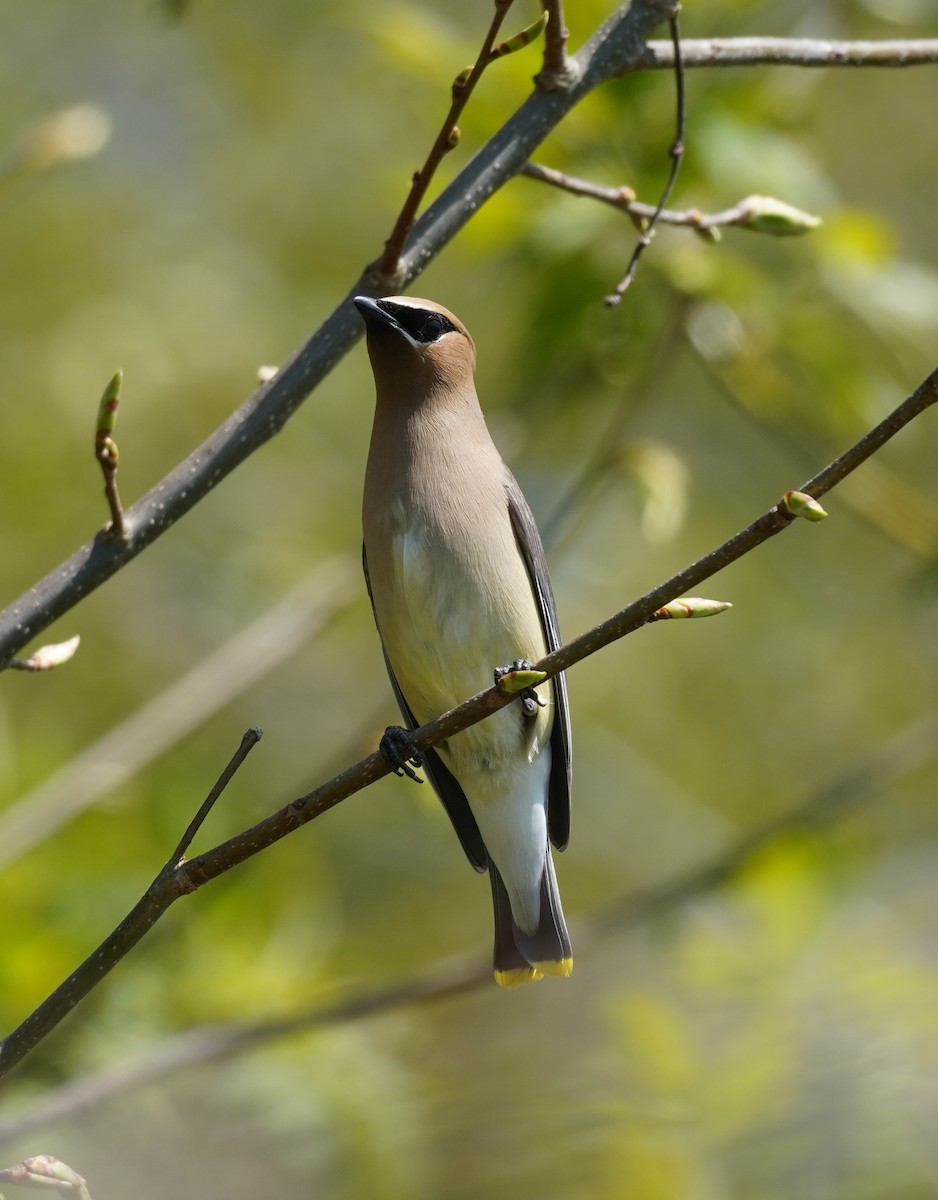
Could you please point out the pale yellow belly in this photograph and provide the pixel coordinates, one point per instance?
(445, 629)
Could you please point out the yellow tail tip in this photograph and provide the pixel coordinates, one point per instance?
(517, 977)
(563, 968)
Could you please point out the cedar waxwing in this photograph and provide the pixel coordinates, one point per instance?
(458, 583)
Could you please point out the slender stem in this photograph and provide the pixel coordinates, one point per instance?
(248, 742)
(676, 153)
(117, 527)
(138, 922)
(623, 198)
(388, 265)
(107, 454)
(557, 71)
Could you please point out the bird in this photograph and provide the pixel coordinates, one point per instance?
(458, 581)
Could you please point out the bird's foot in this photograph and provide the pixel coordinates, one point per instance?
(398, 750)
(530, 700)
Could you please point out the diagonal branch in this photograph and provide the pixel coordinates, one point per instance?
(175, 881)
(618, 47)
(614, 49)
(899, 755)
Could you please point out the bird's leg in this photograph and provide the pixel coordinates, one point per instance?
(530, 700)
(398, 750)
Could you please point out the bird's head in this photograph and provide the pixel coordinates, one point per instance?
(417, 342)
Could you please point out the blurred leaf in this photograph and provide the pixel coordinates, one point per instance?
(657, 1035)
(662, 479)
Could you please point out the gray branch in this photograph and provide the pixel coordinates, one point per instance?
(793, 52)
(616, 48)
(867, 783)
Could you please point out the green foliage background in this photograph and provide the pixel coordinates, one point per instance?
(775, 1037)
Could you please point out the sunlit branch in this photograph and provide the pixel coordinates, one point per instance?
(793, 52)
(868, 781)
(615, 49)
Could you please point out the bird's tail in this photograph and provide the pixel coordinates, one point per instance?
(523, 957)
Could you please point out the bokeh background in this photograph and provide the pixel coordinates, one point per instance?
(771, 1034)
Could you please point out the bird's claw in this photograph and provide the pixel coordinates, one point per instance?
(531, 702)
(398, 750)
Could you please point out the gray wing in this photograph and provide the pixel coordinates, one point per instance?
(529, 543)
(451, 795)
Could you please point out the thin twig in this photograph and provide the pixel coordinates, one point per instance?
(248, 742)
(388, 265)
(558, 71)
(899, 755)
(758, 531)
(195, 872)
(676, 153)
(745, 214)
(117, 528)
(106, 452)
